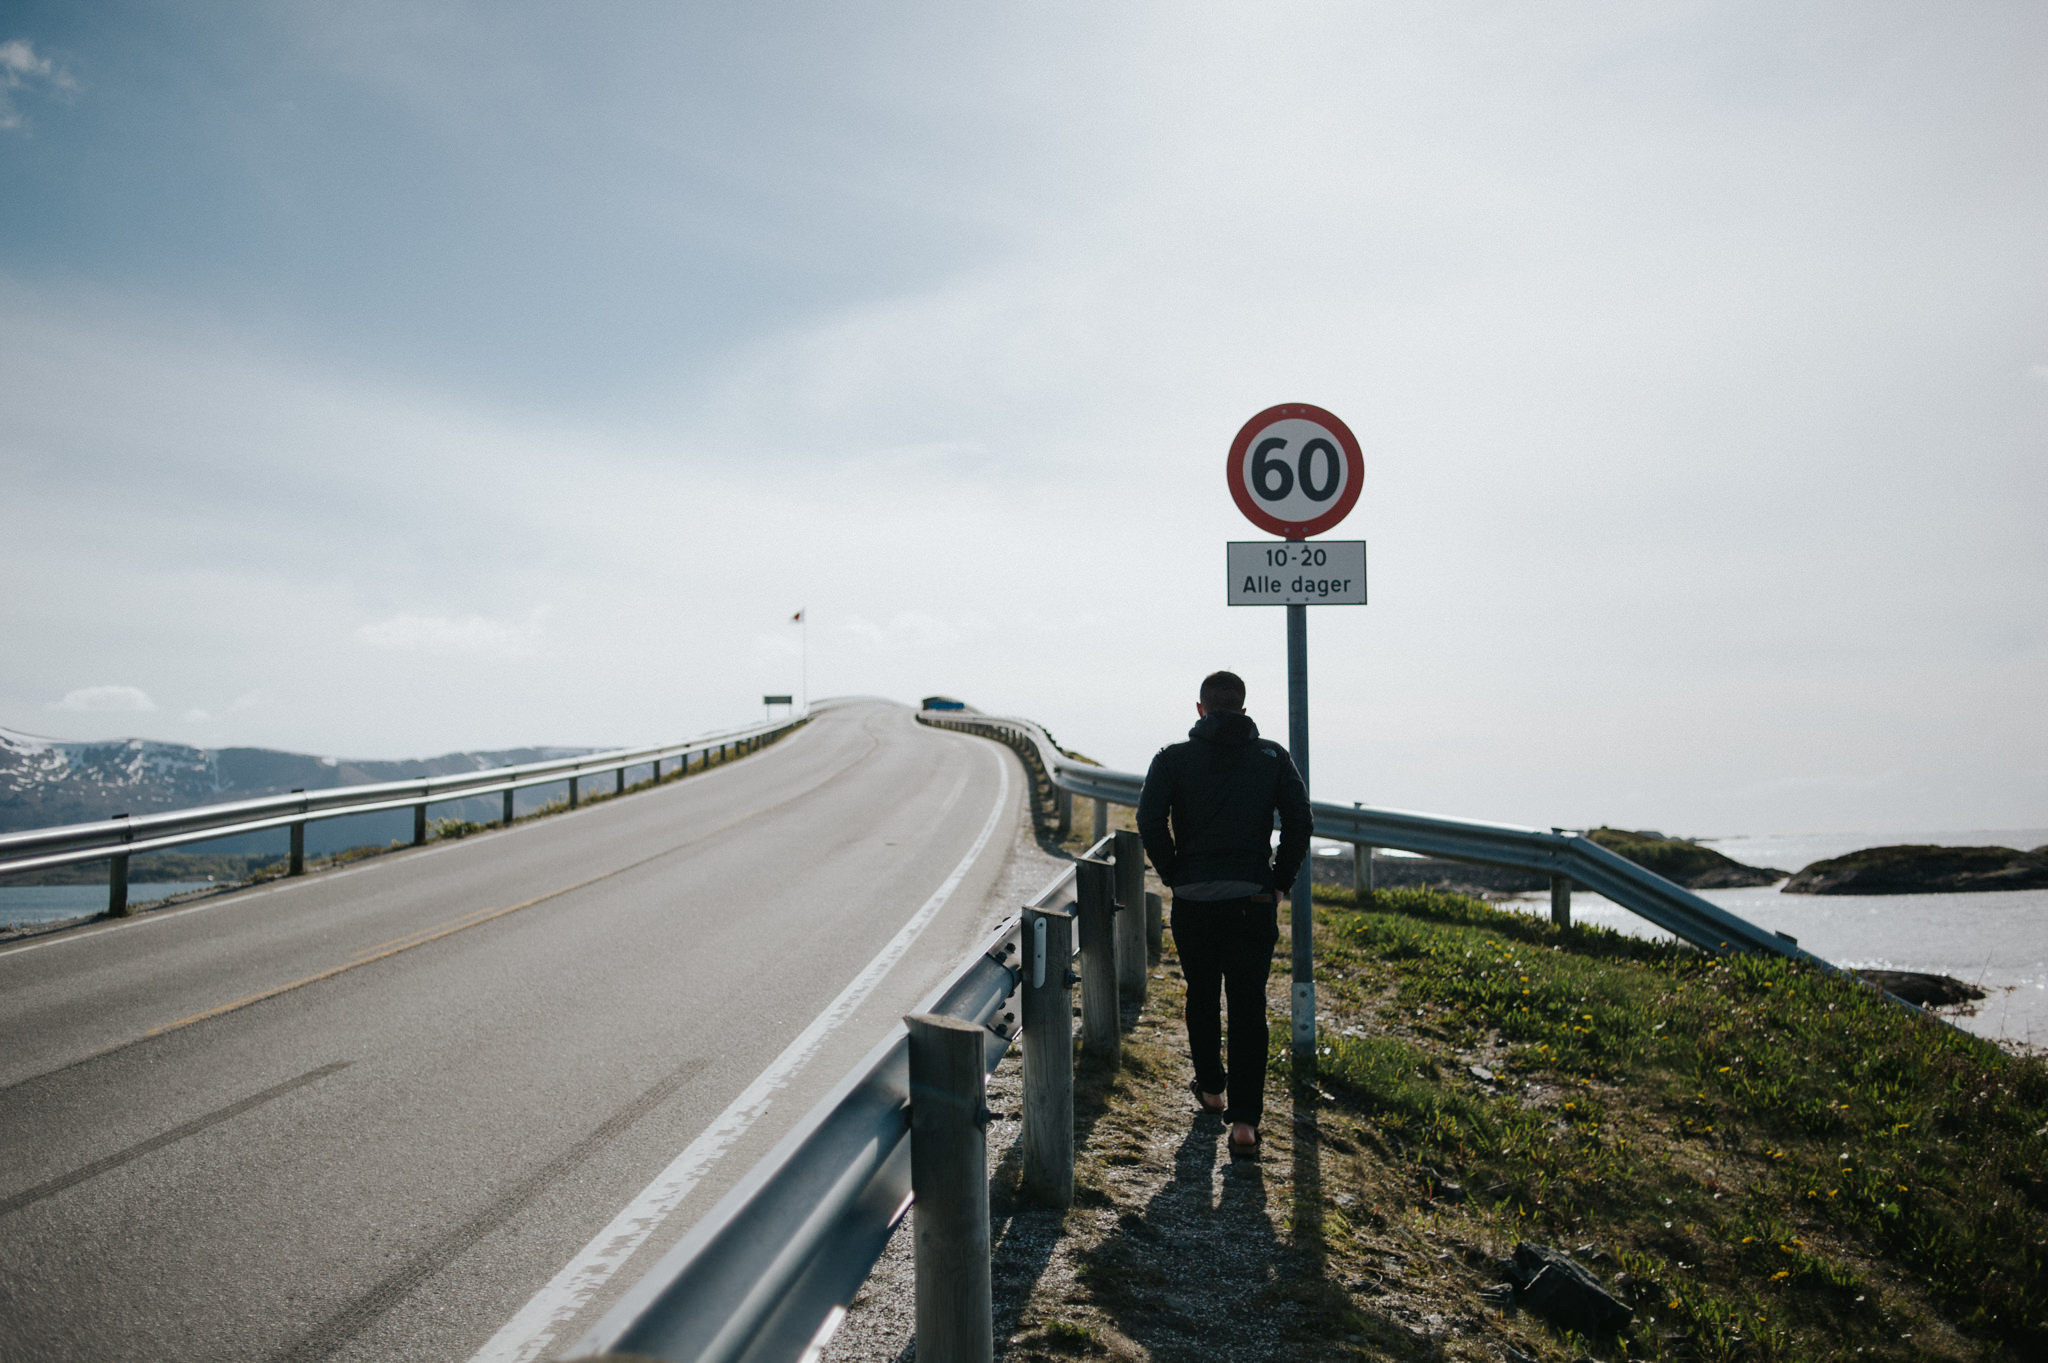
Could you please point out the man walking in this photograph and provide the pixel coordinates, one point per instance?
(1206, 815)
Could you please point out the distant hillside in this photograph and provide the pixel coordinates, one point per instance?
(1683, 860)
(46, 781)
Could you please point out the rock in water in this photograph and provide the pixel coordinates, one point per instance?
(1679, 859)
(1918, 987)
(1916, 869)
(1551, 1285)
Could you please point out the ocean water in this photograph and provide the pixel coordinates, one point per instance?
(1997, 940)
(26, 905)
(1795, 851)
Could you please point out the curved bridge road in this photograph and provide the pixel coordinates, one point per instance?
(447, 1104)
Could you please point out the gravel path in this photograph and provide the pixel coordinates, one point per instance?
(1324, 1249)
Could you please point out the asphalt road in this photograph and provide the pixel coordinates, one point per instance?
(372, 1113)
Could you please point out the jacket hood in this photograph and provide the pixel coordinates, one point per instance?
(1230, 730)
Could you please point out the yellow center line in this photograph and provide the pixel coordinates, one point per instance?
(385, 950)
(419, 935)
(380, 952)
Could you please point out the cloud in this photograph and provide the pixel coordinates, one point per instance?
(929, 324)
(22, 69)
(2038, 372)
(104, 700)
(409, 632)
(18, 59)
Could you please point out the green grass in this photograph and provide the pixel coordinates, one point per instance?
(1785, 1165)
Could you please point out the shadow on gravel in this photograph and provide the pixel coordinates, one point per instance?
(1023, 1235)
(1192, 1275)
(1233, 1262)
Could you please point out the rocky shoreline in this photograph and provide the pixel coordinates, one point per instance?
(1681, 860)
(1902, 869)
(1691, 864)
(1924, 869)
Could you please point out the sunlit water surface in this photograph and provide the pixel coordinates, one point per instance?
(1997, 940)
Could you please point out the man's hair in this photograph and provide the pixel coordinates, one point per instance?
(1223, 691)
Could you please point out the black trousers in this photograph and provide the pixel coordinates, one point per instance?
(1226, 947)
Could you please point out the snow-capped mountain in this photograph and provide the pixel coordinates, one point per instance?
(46, 781)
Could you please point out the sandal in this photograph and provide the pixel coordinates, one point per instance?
(1202, 1099)
(1244, 1150)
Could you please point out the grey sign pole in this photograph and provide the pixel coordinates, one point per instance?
(1304, 1035)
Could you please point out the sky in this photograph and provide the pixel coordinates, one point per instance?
(399, 378)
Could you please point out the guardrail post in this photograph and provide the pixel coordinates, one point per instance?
(117, 880)
(1048, 1057)
(621, 790)
(1561, 901)
(1155, 926)
(298, 863)
(1130, 917)
(1101, 1023)
(419, 823)
(949, 1190)
(573, 792)
(1101, 820)
(508, 809)
(1064, 800)
(1361, 869)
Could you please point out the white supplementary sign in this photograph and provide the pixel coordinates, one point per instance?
(1297, 572)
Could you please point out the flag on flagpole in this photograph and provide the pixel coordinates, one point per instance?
(797, 619)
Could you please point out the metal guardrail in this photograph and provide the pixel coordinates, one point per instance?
(766, 1275)
(1670, 906)
(124, 836)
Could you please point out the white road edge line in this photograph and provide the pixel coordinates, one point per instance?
(526, 1337)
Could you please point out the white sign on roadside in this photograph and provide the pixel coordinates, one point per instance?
(1297, 572)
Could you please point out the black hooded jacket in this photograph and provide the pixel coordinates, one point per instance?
(1207, 809)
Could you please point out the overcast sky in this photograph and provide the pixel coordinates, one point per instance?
(387, 379)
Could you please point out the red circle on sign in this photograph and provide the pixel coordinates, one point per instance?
(1241, 490)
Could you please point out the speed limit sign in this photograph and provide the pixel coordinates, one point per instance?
(1295, 470)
